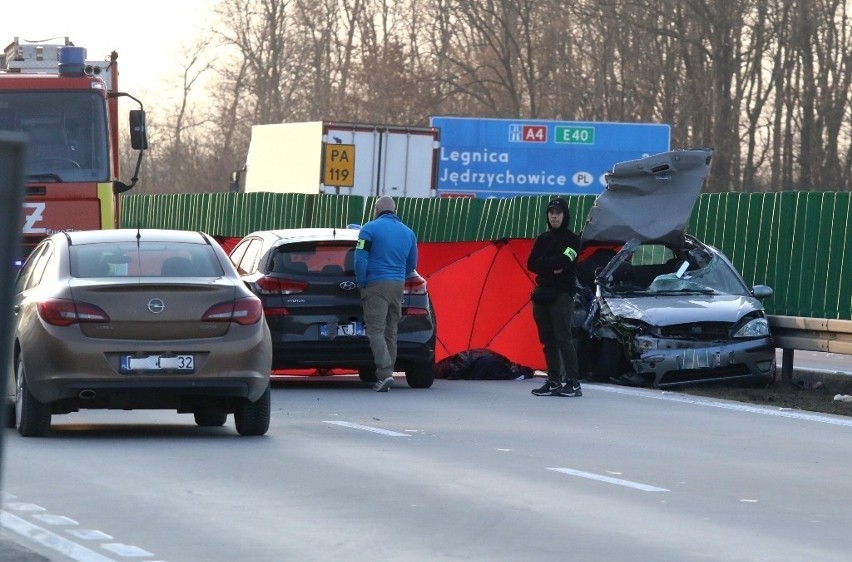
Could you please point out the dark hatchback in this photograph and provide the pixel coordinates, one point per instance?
(306, 280)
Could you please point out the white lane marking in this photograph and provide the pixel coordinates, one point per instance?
(89, 534)
(126, 550)
(54, 519)
(609, 480)
(368, 428)
(23, 506)
(50, 540)
(765, 410)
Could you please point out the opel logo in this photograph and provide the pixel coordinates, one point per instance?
(156, 306)
(347, 285)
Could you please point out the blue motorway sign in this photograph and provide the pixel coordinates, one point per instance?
(508, 157)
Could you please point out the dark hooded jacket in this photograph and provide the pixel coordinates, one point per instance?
(556, 248)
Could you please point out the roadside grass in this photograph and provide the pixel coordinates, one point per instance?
(807, 391)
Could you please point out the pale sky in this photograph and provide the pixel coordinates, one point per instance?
(147, 35)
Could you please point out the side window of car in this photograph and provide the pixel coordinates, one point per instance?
(41, 265)
(33, 270)
(249, 262)
(238, 252)
(27, 270)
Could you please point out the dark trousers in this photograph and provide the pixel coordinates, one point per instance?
(553, 320)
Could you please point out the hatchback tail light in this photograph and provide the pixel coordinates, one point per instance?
(415, 285)
(275, 286)
(276, 312)
(414, 311)
(59, 312)
(242, 311)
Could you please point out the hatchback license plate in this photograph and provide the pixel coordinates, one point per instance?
(351, 329)
(156, 363)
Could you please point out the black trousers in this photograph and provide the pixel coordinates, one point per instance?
(553, 320)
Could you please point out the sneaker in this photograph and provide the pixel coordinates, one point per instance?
(571, 388)
(383, 385)
(548, 389)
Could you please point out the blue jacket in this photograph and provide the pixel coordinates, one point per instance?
(386, 250)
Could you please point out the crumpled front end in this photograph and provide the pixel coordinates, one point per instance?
(692, 352)
(746, 360)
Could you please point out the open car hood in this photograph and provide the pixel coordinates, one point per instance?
(650, 199)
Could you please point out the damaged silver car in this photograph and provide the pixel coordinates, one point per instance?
(661, 308)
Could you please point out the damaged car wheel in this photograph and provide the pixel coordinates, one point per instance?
(609, 363)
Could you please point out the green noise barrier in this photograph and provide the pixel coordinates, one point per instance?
(795, 242)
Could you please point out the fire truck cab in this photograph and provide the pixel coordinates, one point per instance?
(68, 108)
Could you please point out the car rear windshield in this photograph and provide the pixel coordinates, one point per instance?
(146, 259)
(315, 259)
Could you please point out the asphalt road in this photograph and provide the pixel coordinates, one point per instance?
(467, 470)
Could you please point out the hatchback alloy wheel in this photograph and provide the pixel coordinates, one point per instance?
(421, 375)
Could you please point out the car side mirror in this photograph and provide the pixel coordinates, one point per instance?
(762, 291)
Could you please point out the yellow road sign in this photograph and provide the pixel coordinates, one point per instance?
(339, 165)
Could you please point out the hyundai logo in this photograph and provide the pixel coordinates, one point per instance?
(156, 306)
(347, 285)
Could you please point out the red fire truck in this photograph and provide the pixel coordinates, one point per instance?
(68, 108)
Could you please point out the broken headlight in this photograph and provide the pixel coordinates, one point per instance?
(755, 328)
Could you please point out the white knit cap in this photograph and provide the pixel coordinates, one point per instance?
(385, 203)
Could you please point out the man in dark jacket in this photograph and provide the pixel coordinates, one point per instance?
(554, 261)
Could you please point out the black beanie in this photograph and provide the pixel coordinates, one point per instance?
(562, 205)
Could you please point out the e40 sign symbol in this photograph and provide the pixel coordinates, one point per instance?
(575, 135)
(339, 165)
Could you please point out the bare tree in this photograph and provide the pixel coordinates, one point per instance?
(264, 33)
(489, 54)
(765, 83)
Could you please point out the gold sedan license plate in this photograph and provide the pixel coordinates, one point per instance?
(157, 363)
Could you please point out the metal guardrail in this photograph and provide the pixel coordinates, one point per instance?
(809, 334)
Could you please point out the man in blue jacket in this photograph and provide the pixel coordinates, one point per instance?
(385, 255)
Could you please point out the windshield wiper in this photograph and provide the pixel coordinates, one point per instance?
(44, 177)
(685, 290)
(626, 291)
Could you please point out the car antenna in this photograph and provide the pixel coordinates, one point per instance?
(138, 235)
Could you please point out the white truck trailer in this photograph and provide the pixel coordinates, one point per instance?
(341, 158)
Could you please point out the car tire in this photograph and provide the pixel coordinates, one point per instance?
(421, 375)
(9, 421)
(367, 374)
(252, 418)
(210, 418)
(31, 416)
(609, 363)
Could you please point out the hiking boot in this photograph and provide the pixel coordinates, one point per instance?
(571, 388)
(548, 389)
(383, 385)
